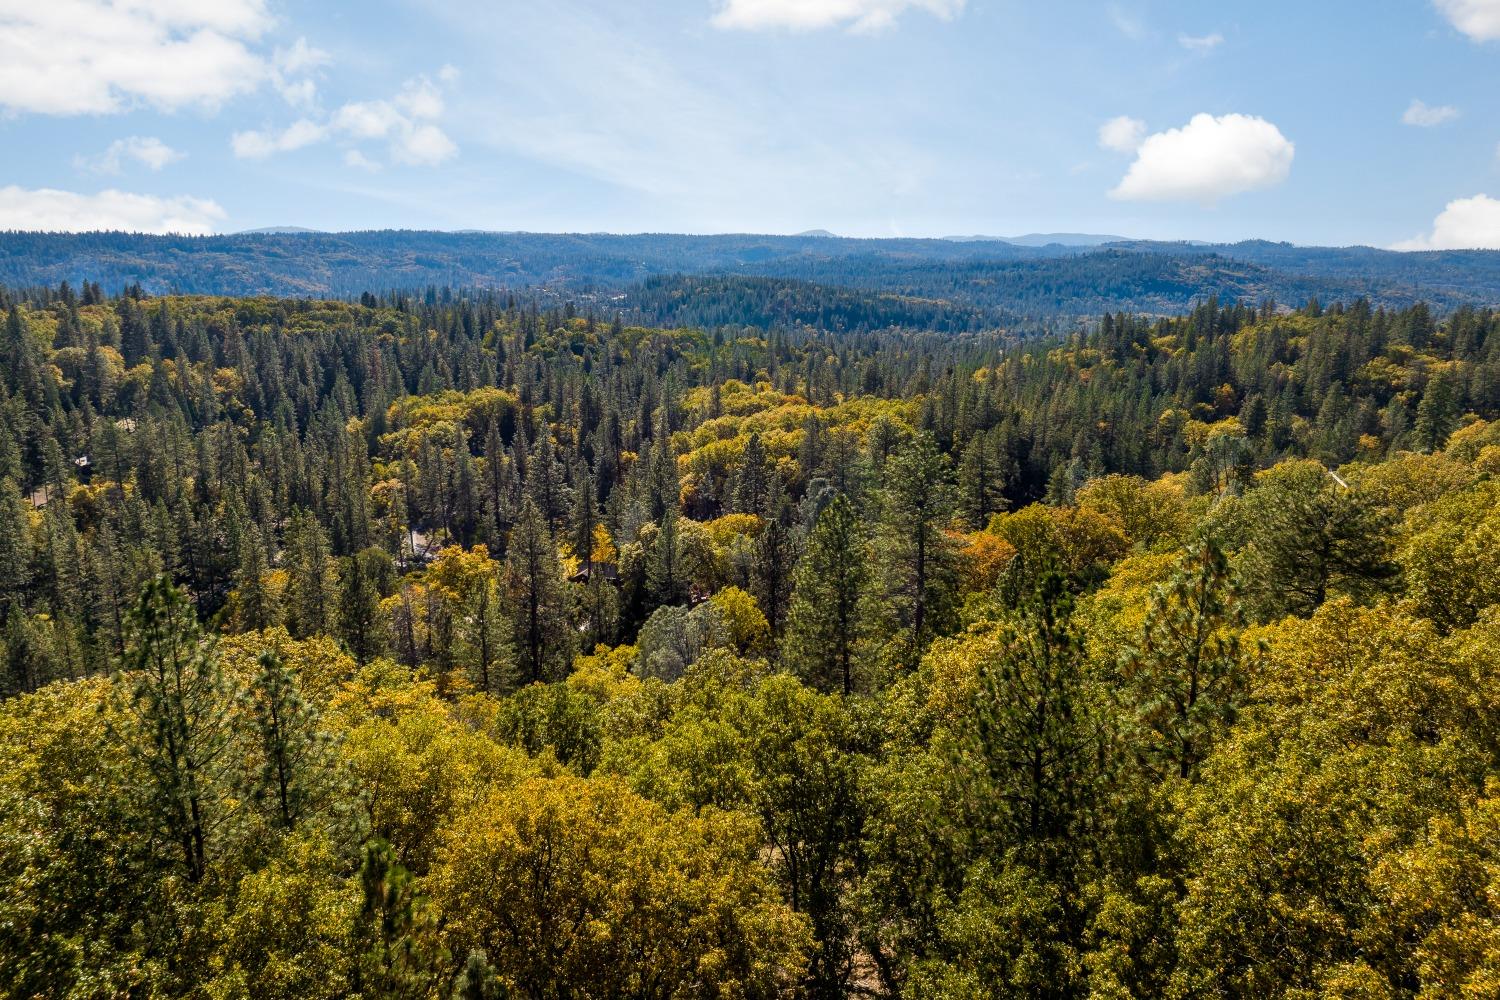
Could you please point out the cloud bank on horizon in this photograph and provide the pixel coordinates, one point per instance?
(929, 112)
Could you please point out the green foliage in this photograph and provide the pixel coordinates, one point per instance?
(831, 618)
(294, 758)
(1311, 538)
(857, 714)
(916, 504)
(172, 690)
(1186, 676)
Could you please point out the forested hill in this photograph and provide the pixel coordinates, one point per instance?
(425, 647)
(1001, 281)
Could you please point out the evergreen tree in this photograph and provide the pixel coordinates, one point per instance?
(1186, 675)
(309, 585)
(1311, 537)
(477, 981)
(1437, 414)
(256, 606)
(918, 572)
(396, 925)
(15, 546)
(982, 477)
(173, 691)
(293, 764)
(752, 488)
(828, 620)
(665, 575)
(537, 597)
(484, 643)
(773, 562)
(1036, 736)
(359, 623)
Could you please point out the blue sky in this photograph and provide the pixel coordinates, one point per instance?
(1329, 122)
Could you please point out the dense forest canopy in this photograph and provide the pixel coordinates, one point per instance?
(1001, 279)
(450, 644)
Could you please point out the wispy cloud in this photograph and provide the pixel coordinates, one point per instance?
(148, 151)
(1200, 43)
(1126, 22)
(702, 147)
(407, 124)
(1423, 115)
(1122, 135)
(257, 145)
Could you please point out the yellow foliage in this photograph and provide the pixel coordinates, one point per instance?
(747, 625)
(654, 898)
(982, 557)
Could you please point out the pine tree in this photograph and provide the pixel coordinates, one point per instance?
(1035, 735)
(397, 926)
(293, 760)
(477, 981)
(309, 577)
(752, 489)
(774, 556)
(665, 576)
(828, 618)
(484, 644)
(1186, 676)
(15, 546)
(359, 606)
(982, 475)
(1437, 414)
(538, 598)
(585, 518)
(916, 508)
(172, 689)
(255, 605)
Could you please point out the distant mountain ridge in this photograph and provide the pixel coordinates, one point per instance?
(1044, 239)
(998, 279)
(276, 230)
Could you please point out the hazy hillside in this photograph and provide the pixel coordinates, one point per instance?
(980, 280)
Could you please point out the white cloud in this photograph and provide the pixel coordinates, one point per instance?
(68, 57)
(1479, 19)
(1424, 115)
(255, 145)
(1200, 43)
(367, 119)
(1207, 159)
(406, 123)
(1466, 224)
(423, 146)
(1122, 135)
(301, 94)
(810, 15)
(420, 98)
(68, 211)
(148, 151)
(301, 58)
